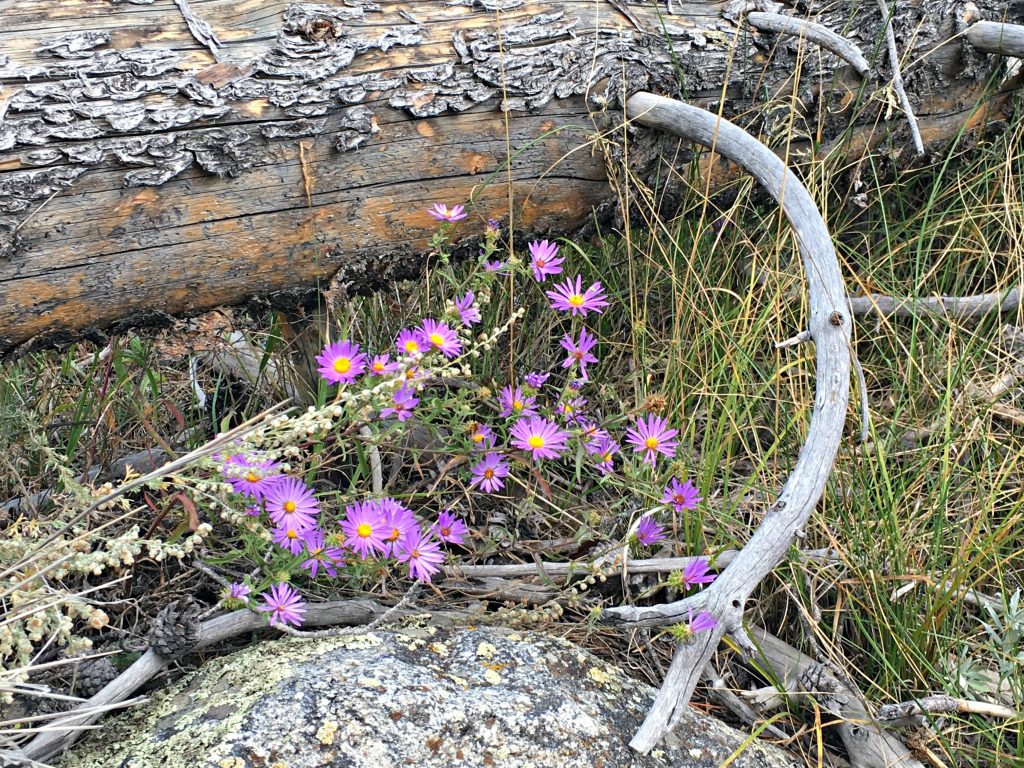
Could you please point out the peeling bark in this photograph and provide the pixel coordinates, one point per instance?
(138, 174)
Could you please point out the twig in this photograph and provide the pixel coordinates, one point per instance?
(801, 338)
(897, 77)
(993, 37)
(911, 713)
(829, 326)
(957, 307)
(200, 28)
(816, 33)
(376, 472)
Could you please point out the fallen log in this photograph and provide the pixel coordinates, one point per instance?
(163, 158)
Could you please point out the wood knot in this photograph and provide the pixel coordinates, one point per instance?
(319, 30)
(836, 318)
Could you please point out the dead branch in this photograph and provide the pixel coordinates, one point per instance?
(865, 743)
(993, 37)
(829, 326)
(897, 77)
(816, 33)
(957, 307)
(912, 713)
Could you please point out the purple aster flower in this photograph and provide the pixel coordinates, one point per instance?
(253, 510)
(495, 266)
(289, 537)
(488, 473)
(542, 438)
(284, 604)
(251, 478)
(652, 436)
(468, 314)
(424, 556)
(579, 351)
(449, 528)
(237, 591)
(482, 436)
(514, 403)
(442, 212)
(572, 409)
(493, 226)
(649, 532)
(364, 528)
(322, 556)
(604, 448)
(382, 365)
(536, 380)
(681, 495)
(290, 503)
(590, 433)
(703, 622)
(544, 260)
(341, 362)
(404, 400)
(573, 299)
(441, 337)
(696, 572)
(577, 384)
(400, 525)
(411, 341)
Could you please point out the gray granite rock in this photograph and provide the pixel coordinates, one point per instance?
(423, 697)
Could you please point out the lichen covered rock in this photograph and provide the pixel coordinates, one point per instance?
(424, 697)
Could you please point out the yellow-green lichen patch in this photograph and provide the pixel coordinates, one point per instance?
(325, 733)
(492, 677)
(485, 650)
(232, 762)
(441, 649)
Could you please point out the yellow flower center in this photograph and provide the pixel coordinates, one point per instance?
(578, 355)
(289, 507)
(576, 300)
(412, 346)
(414, 554)
(679, 499)
(651, 443)
(488, 473)
(342, 365)
(436, 339)
(292, 534)
(395, 533)
(252, 477)
(378, 367)
(606, 457)
(535, 441)
(364, 530)
(478, 437)
(448, 531)
(517, 405)
(541, 263)
(410, 372)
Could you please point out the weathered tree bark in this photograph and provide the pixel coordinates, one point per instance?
(139, 175)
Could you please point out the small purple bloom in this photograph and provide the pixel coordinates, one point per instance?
(681, 495)
(493, 226)
(482, 437)
(411, 341)
(449, 528)
(400, 525)
(404, 400)
(489, 472)
(573, 299)
(544, 260)
(291, 504)
(590, 432)
(579, 351)
(536, 380)
(382, 365)
(468, 313)
(649, 532)
(424, 556)
(289, 537)
(253, 510)
(322, 556)
(704, 621)
(572, 409)
(514, 403)
(651, 437)
(284, 604)
(364, 528)
(341, 362)
(542, 438)
(495, 266)
(237, 591)
(251, 478)
(696, 572)
(442, 212)
(604, 448)
(441, 337)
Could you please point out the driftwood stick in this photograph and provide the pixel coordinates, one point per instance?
(816, 33)
(897, 77)
(866, 744)
(994, 37)
(829, 325)
(61, 733)
(958, 307)
(912, 713)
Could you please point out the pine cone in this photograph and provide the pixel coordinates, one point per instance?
(175, 630)
(93, 675)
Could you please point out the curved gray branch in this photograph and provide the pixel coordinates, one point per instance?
(994, 37)
(829, 325)
(944, 306)
(816, 33)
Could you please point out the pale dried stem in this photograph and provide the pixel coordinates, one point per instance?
(897, 77)
(816, 33)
